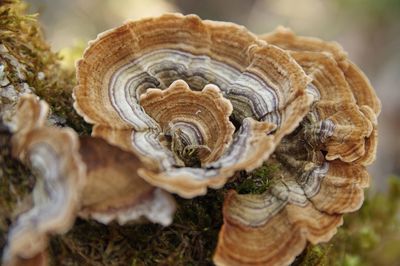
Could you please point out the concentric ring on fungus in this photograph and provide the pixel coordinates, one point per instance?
(52, 153)
(83, 176)
(190, 102)
(265, 86)
(321, 164)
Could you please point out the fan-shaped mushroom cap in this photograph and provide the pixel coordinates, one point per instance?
(339, 122)
(85, 175)
(115, 192)
(263, 83)
(276, 242)
(304, 203)
(31, 114)
(194, 124)
(362, 107)
(362, 90)
(54, 155)
(321, 165)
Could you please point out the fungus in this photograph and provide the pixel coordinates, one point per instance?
(122, 67)
(189, 121)
(363, 94)
(53, 154)
(84, 176)
(183, 104)
(361, 89)
(114, 191)
(321, 164)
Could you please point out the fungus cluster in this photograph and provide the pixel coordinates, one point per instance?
(179, 105)
(186, 134)
(82, 176)
(321, 163)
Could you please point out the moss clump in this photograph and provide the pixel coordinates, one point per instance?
(312, 256)
(190, 240)
(256, 182)
(27, 59)
(26, 64)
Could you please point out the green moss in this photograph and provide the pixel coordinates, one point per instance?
(312, 256)
(368, 237)
(22, 37)
(256, 182)
(190, 240)
(26, 59)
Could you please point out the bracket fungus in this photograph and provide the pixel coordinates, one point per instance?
(361, 90)
(115, 192)
(56, 195)
(321, 163)
(181, 104)
(119, 71)
(76, 176)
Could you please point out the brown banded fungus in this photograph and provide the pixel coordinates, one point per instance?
(363, 94)
(53, 155)
(321, 163)
(195, 125)
(114, 191)
(165, 87)
(76, 176)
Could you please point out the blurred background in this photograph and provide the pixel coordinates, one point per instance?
(369, 30)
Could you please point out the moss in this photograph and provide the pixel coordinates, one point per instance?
(256, 182)
(26, 61)
(312, 256)
(21, 35)
(370, 236)
(190, 240)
